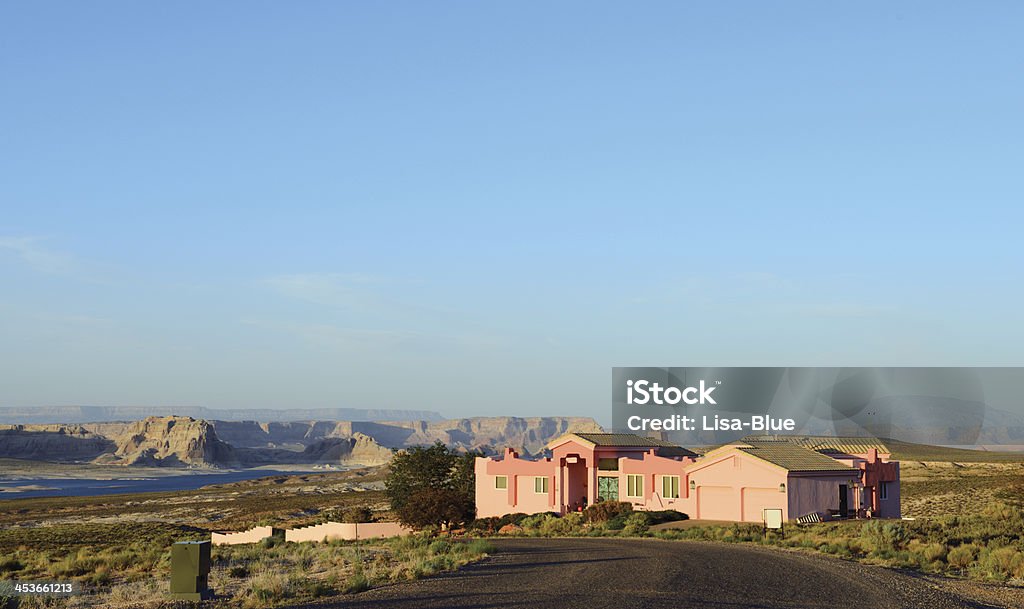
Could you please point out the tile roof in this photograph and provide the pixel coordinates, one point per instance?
(849, 445)
(792, 457)
(629, 440)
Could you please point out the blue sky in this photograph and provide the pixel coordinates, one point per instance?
(480, 208)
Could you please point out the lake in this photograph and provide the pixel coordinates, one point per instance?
(77, 487)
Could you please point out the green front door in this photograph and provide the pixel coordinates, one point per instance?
(607, 488)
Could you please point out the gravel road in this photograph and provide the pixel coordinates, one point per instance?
(635, 573)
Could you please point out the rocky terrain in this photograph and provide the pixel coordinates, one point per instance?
(47, 442)
(176, 441)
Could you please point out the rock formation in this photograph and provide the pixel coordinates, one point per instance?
(188, 442)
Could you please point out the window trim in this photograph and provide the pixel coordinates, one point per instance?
(501, 488)
(639, 488)
(678, 484)
(546, 485)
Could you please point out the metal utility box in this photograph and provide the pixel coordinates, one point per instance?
(190, 570)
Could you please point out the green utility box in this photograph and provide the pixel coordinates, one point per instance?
(190, 570)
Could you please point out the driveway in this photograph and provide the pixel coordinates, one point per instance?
(639, 573)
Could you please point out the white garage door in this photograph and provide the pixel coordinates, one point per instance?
(717, 503)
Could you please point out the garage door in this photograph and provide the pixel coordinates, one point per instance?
(717, 503)
(756, 499)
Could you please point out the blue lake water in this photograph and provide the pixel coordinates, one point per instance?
(82, 487)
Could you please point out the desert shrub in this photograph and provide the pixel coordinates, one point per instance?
(440, 546)
(267, 587)
(607, 510)
(660, 516)
(239, 571)
(885, 537)
(1002, 563)
(934, 552)
(10, 564)
(493, 524)
(356, 583)
(961, 557)
(312, 587)
(636, 524)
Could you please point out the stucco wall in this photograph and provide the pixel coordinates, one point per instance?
(519, 494)
(344, 530)
(815, 493)
(253, 535)
(891, 507)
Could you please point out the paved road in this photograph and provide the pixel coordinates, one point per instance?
(640, 573)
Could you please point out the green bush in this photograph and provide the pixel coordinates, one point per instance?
(636, 524)
(961, 557)
(660, 516)
(607, 510)
(885, 537)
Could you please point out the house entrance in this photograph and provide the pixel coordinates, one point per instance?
(607, 488)
(844, 500)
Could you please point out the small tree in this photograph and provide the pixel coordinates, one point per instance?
(358, 515)
(447, 474)
(436, 507)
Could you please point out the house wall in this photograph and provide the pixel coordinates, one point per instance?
(817, 492)
(653, 469)
(519, 496)
(891, 507)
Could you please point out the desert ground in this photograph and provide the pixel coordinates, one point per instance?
(118, 545)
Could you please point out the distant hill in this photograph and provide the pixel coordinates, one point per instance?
(66, 415)
(909, 451)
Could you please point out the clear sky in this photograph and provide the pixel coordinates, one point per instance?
(481, 207)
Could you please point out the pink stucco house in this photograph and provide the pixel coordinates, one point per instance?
(798, 474)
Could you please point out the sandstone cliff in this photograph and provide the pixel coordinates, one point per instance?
(45, 442)
(490, 434)
(189, 442)
(174, 441)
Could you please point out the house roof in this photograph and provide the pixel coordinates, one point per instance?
(626, 440)
(791, 457)
(850, 445)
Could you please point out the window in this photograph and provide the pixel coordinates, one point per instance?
(634, 485)
(540, 485)
(608, 465)
(883, 490)
(670, 487)
(501, 482)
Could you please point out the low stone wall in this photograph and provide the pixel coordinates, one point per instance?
(344, 530)
(253, 535)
